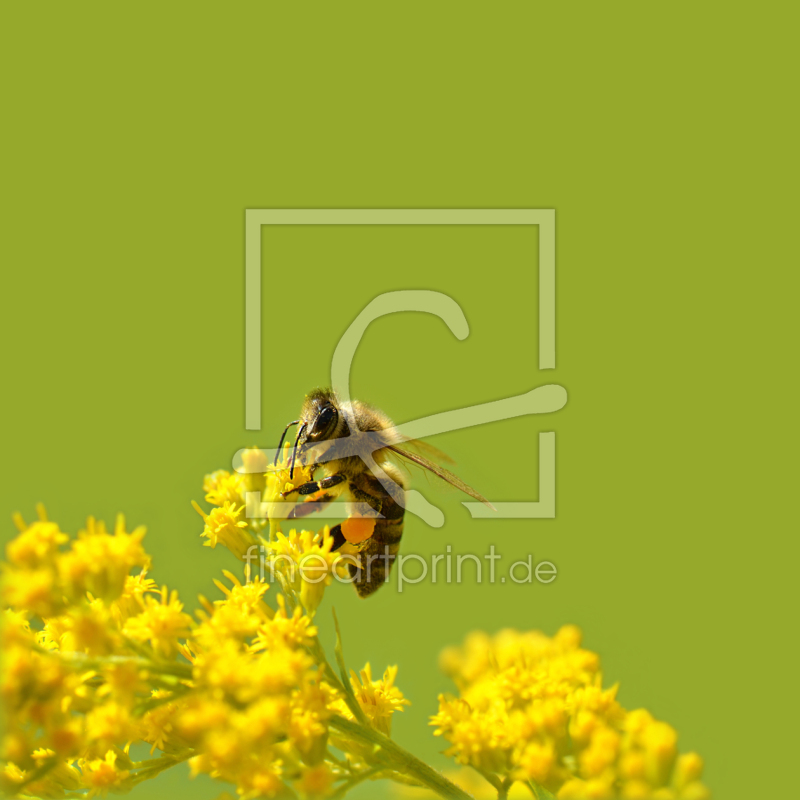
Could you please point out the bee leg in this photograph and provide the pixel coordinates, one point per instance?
(316, 486)
(304, 509)
(374, 501)
(338, 537)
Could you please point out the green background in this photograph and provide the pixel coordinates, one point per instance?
(137, 136)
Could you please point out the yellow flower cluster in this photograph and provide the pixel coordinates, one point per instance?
(96, 562)
(379, 699)
(277, 481)
(98, 660)
(532, 709)
(228, 523)
(258, 711)
(303, 563)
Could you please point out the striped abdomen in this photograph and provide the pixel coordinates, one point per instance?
(378, 555)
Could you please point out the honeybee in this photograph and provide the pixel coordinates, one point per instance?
(357, 441)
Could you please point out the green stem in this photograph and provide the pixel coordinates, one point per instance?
(84, 661)
(152, 766)
(338, 761)
(349, 698)
(539, 792)
(354, 781)
(487, 776)
(144, 706)
(342, 686)
(401, 760)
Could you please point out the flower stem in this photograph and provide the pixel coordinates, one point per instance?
(150, 767)
(539, 792)
(488, 776)
(354, 781)
(401, 760)
(87, 662)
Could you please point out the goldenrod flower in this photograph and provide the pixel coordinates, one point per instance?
(110, 724)
(224, 487)
(12, 775)
(131, 601)
(226, 525)
(303, 562)
(16, 629)
(688, 771)
(66, 733)
(34, 590)
(162, 623)
(247, 596)
(533, 709)
(102, 775)
(228, 672)
(37, 544)
(255, 463)
(61, 776)
(123, 680)
(261, 780)
(55, 775)
(97, 660)
(87, 629)
(159, 726)
(315, 782)
(379, 699)
(198, 715)
(100, 563)
(284, 629)
(267, 720)
(237, 617)
(278, 482)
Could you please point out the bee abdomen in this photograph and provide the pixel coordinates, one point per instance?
(377, 558)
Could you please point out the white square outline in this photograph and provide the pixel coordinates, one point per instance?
(255, 218)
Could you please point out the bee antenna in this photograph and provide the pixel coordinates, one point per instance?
(283, 436)
(294, 452)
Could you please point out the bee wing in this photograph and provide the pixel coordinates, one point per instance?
(394, 436)
(432, 452)
(441, 472)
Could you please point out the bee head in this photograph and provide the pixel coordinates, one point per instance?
(319, 420)
(320, 416)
